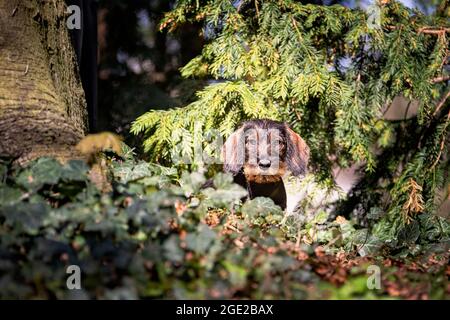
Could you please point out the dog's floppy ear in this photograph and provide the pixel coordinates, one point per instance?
(297, 156)
(233, 152)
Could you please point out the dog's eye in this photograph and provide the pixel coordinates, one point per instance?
(252, 142)
(277, 141)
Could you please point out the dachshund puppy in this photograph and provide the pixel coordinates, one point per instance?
(260, 153)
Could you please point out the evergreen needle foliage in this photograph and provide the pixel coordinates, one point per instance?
(330, 74)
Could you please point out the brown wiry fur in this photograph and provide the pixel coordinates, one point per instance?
(293, 152)
(253, 173)
(260, 152)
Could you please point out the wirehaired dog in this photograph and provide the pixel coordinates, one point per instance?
(260, 152)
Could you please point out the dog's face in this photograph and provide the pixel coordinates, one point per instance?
(265, 150)
(265, 154)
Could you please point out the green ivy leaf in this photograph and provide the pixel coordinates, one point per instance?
(202, 240)
(260, 206)
(320, 218)
(26, 217)
(223, 180)
(191, 182)
(42, 171)
(172, 250)
(224, 197)
(237, 274)
(9, 196)
(371, 246)
(128, 171)
(409, 233)
(75, 170)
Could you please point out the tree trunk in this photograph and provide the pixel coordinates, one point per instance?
(42, 104)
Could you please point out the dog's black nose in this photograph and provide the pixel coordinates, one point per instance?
(264, 164)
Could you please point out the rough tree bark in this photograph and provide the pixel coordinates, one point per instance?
(42, 104)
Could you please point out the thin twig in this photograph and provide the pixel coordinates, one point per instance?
(427, 30)
(299, 117)
(294, 23)
(229, 226)
(435, 114)
(297, 243)
(444, 61)
(430, 30)
(387, 109)
(441, 103)
(239, 7)
(442, 143)
(257, 9)
(440, 79)
(407, 109)
(332, 241)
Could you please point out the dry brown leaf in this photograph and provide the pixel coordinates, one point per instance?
(415, 203)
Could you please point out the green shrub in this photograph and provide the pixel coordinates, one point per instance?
(155, 235)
